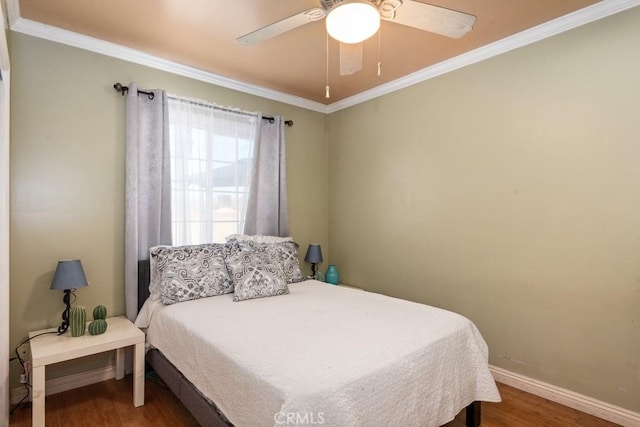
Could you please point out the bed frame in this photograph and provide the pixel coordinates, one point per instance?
(205, 412)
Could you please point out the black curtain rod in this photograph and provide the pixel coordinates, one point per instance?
(123, 89)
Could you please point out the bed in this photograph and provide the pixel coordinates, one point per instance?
(317, 354)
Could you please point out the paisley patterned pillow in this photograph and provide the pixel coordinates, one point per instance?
(284, 253)
(190, 272)
(258, 238)
(255, 274)
(154, 281)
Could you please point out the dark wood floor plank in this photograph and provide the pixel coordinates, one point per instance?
(109, 404)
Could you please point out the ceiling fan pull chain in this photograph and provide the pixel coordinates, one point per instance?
(326, 88)
(380, 51)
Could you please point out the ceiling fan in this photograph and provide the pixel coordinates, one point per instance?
(344, 17)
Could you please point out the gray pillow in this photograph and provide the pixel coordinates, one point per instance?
(258, 238)
(185, 273)
(255, 274)
(284, 253)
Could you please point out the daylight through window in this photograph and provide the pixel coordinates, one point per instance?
(211, 159)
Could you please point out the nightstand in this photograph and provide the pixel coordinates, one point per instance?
(53, 348)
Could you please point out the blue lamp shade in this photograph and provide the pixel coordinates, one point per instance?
(314, 254)
(69, 275)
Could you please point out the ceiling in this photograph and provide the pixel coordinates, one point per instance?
(201, 34)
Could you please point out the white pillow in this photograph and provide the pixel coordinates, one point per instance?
(143, 320)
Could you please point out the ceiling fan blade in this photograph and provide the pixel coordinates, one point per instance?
(435, 19)
(350, 58)
(282, 26)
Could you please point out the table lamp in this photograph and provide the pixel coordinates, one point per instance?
(68, 277)
(314, 256)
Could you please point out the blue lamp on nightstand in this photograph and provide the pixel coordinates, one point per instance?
(314, 256)
(68, 277)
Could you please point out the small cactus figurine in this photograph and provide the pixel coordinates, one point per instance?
(99, 324)
(97, 327)
(77, 320)
(100, 312)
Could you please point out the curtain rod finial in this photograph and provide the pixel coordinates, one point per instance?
(118, 87)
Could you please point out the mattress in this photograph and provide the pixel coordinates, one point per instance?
(325, 354)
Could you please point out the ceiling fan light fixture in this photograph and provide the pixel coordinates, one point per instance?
(353, 22)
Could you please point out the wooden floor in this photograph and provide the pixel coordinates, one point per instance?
(109, 403)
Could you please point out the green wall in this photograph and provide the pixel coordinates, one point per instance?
(67, 175)
(509, 191)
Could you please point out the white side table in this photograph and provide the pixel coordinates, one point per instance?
(54, 348)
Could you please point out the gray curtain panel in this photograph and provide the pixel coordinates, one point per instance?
(267, 211)
(148, 185)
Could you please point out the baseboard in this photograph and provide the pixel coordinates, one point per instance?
(586, 404)
(69, 382)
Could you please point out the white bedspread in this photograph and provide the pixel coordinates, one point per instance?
(326, 355)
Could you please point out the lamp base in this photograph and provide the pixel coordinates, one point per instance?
(65, 314)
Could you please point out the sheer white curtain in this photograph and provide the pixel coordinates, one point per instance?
(147, 177)
(211, 162)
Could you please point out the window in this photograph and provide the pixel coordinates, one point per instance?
(211, 158)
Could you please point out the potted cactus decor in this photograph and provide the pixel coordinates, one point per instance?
(99, 324)
(77, 320)
(100, 312)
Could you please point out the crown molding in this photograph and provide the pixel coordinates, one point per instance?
(37, 29)
(13, 11)
(548, 29)
(581, 17)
